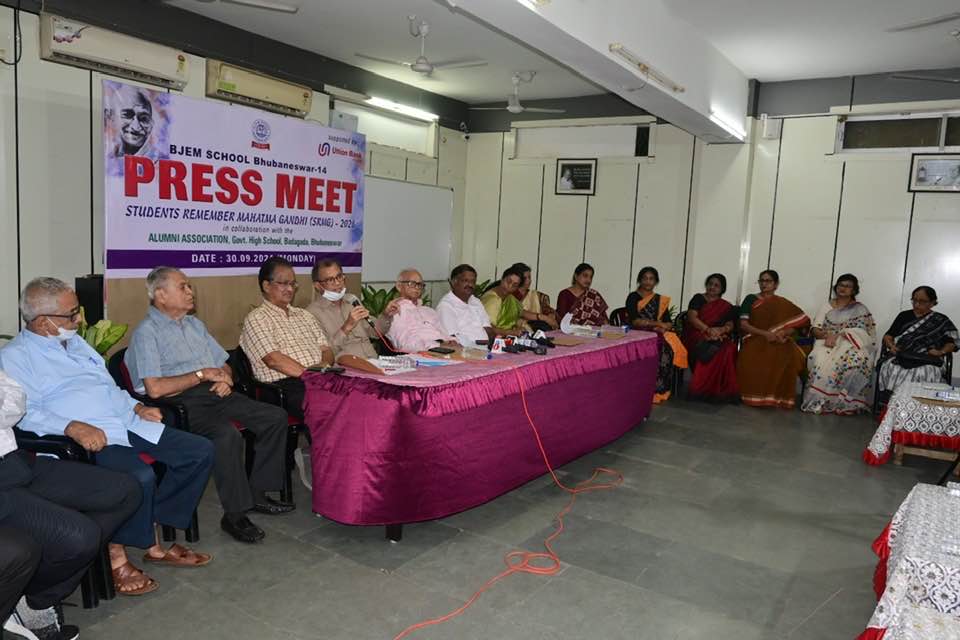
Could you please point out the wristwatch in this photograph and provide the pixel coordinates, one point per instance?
(199, 373)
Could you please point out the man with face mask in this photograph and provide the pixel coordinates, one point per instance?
(346, 326)
(69, 392)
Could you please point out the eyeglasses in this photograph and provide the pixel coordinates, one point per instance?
(413, 283)
(765, 280)
(293, 284)
(919, 301)
(331, 279)
(73, 314)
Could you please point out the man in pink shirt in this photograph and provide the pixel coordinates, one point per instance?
(413, 326)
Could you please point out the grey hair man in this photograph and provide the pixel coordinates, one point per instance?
(172, 355)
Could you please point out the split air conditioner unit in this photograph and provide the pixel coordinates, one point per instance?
(81, 45)
(235, 84)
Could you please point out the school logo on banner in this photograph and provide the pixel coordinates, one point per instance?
(261, 134)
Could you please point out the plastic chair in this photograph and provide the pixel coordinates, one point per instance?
(618, 317)
(879, 399)
(94, 585)
(275, 395)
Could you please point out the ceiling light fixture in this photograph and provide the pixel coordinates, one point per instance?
(269, 5)
(649, 72)
(345, 94)
(402, 109)
(728, 125)
(534, 5)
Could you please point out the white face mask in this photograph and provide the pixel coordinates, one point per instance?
(62, 334)
(334, 296)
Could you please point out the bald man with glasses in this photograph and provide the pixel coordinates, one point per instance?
(414, 326)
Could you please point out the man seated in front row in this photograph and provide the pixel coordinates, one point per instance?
(172, 355)
(345, 325)
(282, 340)
(69, 392)
(413, 326)
(461, 313)
(55, 517)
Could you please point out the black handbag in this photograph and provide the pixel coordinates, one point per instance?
(908, 360)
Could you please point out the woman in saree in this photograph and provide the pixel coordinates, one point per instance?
(841, 363)
(502, 306)
(536, 315)
(586, 306)
(770, 361)
(915, 344)
(708, 337)
(650, 311)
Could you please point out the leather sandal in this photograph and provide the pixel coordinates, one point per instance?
(180, 556)
(126, 575)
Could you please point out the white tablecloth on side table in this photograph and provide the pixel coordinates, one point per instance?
(913, 422)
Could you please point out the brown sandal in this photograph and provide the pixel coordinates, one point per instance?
(180, 556)
(126, 575)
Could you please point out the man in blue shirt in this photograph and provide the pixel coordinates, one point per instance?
(172, 355)
(70, 392)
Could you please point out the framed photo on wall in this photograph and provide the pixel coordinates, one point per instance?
(576, 176)
(938, 172)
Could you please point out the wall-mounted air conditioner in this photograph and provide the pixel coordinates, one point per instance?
(81, 45)
(234, 84)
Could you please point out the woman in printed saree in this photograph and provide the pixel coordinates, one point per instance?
(769, 361)
(707, 335)
(586, 306)
(536, 315)
(502, 306)
(841, 363)
(650, 311)
(914, 346)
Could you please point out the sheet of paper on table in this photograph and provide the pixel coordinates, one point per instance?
(391, 365)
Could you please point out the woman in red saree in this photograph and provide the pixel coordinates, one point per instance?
(650, 311)
(585, 305)
(707, 334)
(770, 361)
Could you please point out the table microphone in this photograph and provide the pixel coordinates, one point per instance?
(355, 301)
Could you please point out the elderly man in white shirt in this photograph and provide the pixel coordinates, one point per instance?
(461, 313)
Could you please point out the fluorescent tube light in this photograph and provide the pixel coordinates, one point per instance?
(728, 125)
(533, 5)
(345, 94)
(649, 72)
(402, 109)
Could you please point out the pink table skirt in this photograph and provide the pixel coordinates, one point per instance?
(393, 451)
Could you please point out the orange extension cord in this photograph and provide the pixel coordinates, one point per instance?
(538, 563)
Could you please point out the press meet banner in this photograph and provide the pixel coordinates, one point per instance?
(216, 189)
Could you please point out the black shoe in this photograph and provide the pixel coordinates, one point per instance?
(242, 529)
(273, 507)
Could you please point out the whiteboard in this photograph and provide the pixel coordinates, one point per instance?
(406, 224)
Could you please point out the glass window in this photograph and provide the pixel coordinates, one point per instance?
(953, 133)
(888, 134)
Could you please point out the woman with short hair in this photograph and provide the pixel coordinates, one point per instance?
(841, 362)
(770, 361)
(708, 335)
(650, 311)
(915, 344)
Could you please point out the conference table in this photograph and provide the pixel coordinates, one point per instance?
(917, 579)
(390, 450)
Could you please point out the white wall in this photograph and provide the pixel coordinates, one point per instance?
(55, 129)
(790, 204)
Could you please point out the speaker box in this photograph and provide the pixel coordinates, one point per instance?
(90, 293)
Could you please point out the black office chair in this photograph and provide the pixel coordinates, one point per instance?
(95, 584)
(244, 380)
(174, 416)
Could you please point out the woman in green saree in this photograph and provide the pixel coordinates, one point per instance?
(502, 306)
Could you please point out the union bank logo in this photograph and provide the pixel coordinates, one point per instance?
(260, 130)
(324, 149)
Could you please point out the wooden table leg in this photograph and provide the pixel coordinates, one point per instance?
(898, 454)
(394, 532)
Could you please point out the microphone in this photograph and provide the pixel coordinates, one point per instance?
(355, 301)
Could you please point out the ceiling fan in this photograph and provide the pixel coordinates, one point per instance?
(513, 101)
(929, 22)
(420, 29)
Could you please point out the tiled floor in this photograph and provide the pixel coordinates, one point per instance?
(732, 523)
